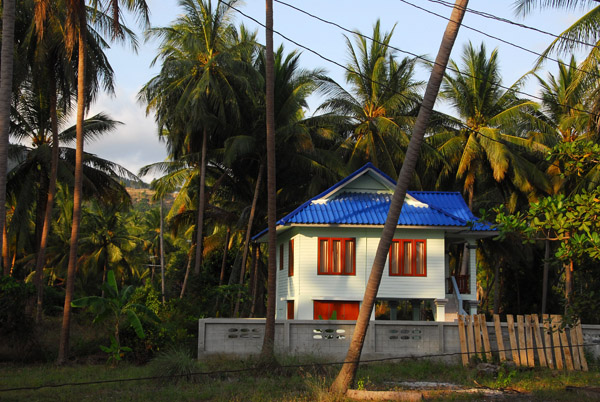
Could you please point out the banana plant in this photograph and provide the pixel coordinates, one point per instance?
(118, 307)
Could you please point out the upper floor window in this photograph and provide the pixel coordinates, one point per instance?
(407, 258)
(337, 256)
(281, 257)
(291, 258)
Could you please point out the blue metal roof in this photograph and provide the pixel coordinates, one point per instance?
(434, 208)
(355, 208)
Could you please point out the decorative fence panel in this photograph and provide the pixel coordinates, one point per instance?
(384, 338)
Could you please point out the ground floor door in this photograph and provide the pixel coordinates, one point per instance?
(344, 310)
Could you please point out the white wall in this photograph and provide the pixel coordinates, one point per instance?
(306, 285)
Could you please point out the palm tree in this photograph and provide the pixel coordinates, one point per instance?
(296, 145)
(76, 32)
(267, 353)
(194, 95)
(109, 238)
(6, 81)
(52, 71)
(492, 146)
(583, 34)
(380, 109)
(347, 373)
(566, 99)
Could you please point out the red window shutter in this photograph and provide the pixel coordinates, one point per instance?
(291, 258)
(290, 310)
(281, 256)
(345, 310)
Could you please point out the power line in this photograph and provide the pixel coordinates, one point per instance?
(255, 369)
(461, 124)
(513, 90)
(499, 39)
(520, 25)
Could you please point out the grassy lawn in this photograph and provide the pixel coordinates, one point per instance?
(286, 384)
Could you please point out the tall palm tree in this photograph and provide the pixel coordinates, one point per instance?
(296, 146)
(267, 353)
(491, 149)
(347, 373)
(567, 97)
(379, 110)
(583, 34)
(53, 71)
(194, 95)
(76, 33)
(109, 238)
(6, 80)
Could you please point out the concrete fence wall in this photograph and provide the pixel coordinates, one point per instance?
(331, 339)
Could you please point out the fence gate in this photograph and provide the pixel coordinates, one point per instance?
(547, 344)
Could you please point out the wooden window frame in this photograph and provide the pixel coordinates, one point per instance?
(413, 262)
(291, 257)
(281, 257)
(330, 241)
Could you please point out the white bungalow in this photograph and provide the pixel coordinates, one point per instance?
(327, 245)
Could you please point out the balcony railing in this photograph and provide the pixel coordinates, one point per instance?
(462, 282)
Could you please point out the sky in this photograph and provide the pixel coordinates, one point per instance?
(135, 143)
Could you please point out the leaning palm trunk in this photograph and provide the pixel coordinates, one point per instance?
(267, 353)
(6, 73)
(162, 252)
(63, 349)
(248, 232)
(39, 266)
(347, 374)
(187, 273)
(201, 203)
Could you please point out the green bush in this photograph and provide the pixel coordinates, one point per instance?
(15, 297)
(176, 364)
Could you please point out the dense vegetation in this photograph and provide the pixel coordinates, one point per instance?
(182, 249)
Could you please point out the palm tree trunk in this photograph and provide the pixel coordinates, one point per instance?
(187, 273)
(39, 265)
(248, 232)
(5, 250)
(223, 266)
(6, 79)
(255, 280)
(545, 275)
(568, 284)
(162, 252)
(347, 373)
(497, 287)
(267, 355)
(63, 349)
(201, 202)
(224, 260)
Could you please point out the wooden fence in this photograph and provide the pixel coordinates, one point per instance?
(555, 345)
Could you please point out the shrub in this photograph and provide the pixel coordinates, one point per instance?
(176, 364)
(15, 296)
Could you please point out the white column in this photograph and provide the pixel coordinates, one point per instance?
(440, 309)
(473, 304)
(473, 267)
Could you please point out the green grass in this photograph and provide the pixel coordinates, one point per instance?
(285, 384)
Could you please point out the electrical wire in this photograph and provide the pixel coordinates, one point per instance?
(463, 25)
(520, 25)
(464, 126)
(419, 57)
(257, 369)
